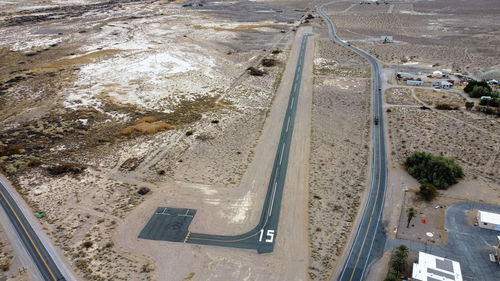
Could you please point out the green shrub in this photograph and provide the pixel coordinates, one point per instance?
(391, 277)
(473, 83)
(437, 170)
(445, 106)
(428, 191)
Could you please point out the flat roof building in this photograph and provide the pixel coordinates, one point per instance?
(434, 268)
(488, 220)
(415, 82)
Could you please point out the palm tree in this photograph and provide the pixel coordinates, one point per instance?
(399, 260)
(411, 214)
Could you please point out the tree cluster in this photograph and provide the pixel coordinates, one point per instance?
(477, 89)
(399, 263)
(436, 170)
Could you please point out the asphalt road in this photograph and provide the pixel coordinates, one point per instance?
(360, 253)
(263, 236)
(44, 262)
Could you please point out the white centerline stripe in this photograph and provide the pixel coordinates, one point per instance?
(283, 149)
(272, 199)
(293, 99)
(288, 123)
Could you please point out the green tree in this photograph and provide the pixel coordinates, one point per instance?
(479, 91)
(469, 105)
(472, 83)
(437, 170)
(428, 191)
(411, 214)
(399, 260)
(391, 277)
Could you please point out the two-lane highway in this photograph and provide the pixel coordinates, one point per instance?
(359, 253)
(44, 262)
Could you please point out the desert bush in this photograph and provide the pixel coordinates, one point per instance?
(143, 190)
(65, 168)
(87, 244)
(6, 265)
(391, 277)
(437, 170)
(488, 110)
(268, 62)
(276, 51)
(428, 191)
(11, 150)
(189, 133)
(35, 162)
(469, 105)
(255, 72)
(491, 102)
(446, 106)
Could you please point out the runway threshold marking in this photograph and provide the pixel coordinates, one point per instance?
(27, 234)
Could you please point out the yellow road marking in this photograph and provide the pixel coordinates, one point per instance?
(187, 236)
(374, 204)
(25, 231)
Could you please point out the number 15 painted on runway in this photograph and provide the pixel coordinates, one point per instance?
(270, 235)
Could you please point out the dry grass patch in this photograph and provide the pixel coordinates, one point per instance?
(147, 125)
(439, 97)
(399, 96)
(238, 27)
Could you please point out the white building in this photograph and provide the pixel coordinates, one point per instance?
(437, 74)
(434, 268)
(446, 85)
(488, 220)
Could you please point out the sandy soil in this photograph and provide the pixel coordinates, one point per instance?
(5, 255)
(456, 35)
(139, 94)
(339, 151)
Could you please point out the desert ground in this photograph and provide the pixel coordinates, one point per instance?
(102, 99)
(454, 36)
(339, 150)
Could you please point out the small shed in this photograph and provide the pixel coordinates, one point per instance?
(446, 84)
(386, 38)
(485, 98)
(488, 220)
(415, 82)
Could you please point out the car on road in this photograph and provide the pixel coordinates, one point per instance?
(376, 120)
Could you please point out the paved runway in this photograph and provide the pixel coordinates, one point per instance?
(263, 236)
